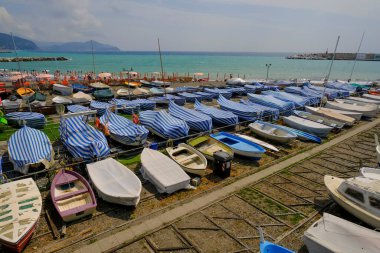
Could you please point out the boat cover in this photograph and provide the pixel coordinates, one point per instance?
(205, 95)
(195, 120)
(177, 99)
(242, 111)
(237, 91)
(190, 97)
(32, 119)
(216, 92)
(302, 92)
(265, 111)
(145, 104)
(126, 106)
(100, 107)
(270, 101)
(336, 92)
(342, 86)
(77, 108)
(299, 101)
(218, 116)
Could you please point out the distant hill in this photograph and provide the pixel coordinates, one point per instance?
(76, 47)
(22, 44)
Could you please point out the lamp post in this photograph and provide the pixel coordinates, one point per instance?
(267, 66)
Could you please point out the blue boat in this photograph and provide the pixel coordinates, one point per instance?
(219, 117)
(103, 94)
(32, 119)
(242, 111)
(163, 124)
(77, 108)
(126, 106)
(270, 101)
(145, 104)
(195, 120)
(303, 135)
(269, 247)
(217, 92)
(186, 89)
(267, 113)
(299, 101)
(80, 87)
(190, 97)
(240, 146)
(205, 95)
(100, 107)
(155, 90)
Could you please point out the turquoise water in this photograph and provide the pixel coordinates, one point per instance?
(248, 65)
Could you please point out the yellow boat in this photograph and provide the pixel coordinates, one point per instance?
(25, 93)
(133, 84)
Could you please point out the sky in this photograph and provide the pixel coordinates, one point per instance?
(199, 25)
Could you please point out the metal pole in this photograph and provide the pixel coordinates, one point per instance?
(93, 58)
(162, 67)
(268, 66)
(356, 57)
(328, 75)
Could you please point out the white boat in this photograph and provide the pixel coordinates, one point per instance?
(330, 114)
(123, 92)
(272, 132)
(63, 90)
(359, 103)
(161, 83)
(360, 196)
(21, 205)
(11, 104)
(370, 172)
(372, 97)
(61, 100)
(190, 159)
(99, 85)
(260, 142)
(364, 100)
(81, 97)
(114, 182)
(331, 234)
(355, 115)
(137, 91)
(377, 149)
(307, 126)
(365, 110)
(166, 175)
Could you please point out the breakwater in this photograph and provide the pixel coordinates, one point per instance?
(32, 59)
(338, 56)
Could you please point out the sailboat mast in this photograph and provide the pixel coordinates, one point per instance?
(18, 60)
(93, 58)
(162, 67)
(356, 57)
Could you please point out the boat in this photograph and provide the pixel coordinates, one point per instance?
(123, 92)
(155, 90)
(126, 106)
(359, 103)
(163, 124)
(332, 234)
(272, 132)
(319, 119)
(364, 100)
(144, 104)
(219, 92)
(328, 113)
(219, 117)
(61, 100)
(377, 149)
(365, 110)
(99, 86)
(208, 146)
(30, 119)
(133, 84)
(244, 112)
(137, 91)
(103, 94)
(72, 195)
(63, 90)
(267, 113)
(80, 87)
(77, 108)
(372, 97)
(123, 130)
(11, 104)
(190, 159)
(25, 93)
(195, 120)
(29, 147)
(190, 97)
(21, 204)
(205, 95)
(285, 108)
(299, 101)
(81, 97)
(176, 99)
(303, 135)
(269, 247)
(260, 142)
(307, 126)
(358, 196)
(145, 83)
(100, 107)
(240, 146)
(114, 182)
(370, 172)
(39, 100)
(161, 83)
(167, 176)
(140, 91)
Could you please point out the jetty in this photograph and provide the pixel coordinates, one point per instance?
(31, 59)
(338, 56)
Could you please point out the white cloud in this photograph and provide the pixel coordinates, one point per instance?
(11, 25)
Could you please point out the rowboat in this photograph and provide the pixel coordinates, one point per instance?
(81, 97)
(25, 93)
(9, 104)
(364, 100)
(208, 146)
(30, 119)
(21, 204)
(161, 83)
(155, 90)
(359, 196)
(244, 112)
(80, 87)
(328, 113)
(372, 97)
(240, 146)
(270, 101)
(63, 90)
(99, 86)
(72, 195)
(218, 116)
(319, 119)
(190, 159)
(355, 115)
(303, 135)
(307, 126)
(269, 247)
(359, 103)
(61, 100)
(272, 132)
(333, 234)
(167, 176)
(260, 142)
(123, 92)
(103, 94)
(133, 84)
(365, 110)
(370, 172)
(140, 91)
(114, 182)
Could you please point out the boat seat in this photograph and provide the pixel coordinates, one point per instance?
(71, 194)
(182, 160)
(78, 209)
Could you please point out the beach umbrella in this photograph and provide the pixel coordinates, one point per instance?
(104, 75)
(44, 76)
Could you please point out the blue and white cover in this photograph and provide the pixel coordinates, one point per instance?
(269, 101)
(302, 92)
(145, 104)
(335, 93)
(178, 100)
(242, 111)
(29, 146)
(218, 116)
(126, 106)
(195, 120)
(216, 92)
(100, 107)
(342, 86)
(155, 90)
(82, 140)
(300, 101)
(32, 119)
(77, 108)
(190, 97)
(186, 89)
(282, 83)
(123, 130)
(267, 113)
(237, 91)
(205, 95)
(252, 88)
(163, 124)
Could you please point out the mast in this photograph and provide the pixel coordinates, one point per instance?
(162, 67)
(93, 58)
(18, 60)
(356, 57)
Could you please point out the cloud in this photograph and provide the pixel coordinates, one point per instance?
(8, 22)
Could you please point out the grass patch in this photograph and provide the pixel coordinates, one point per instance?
(52, 131)
(126, 116)
(129, 160)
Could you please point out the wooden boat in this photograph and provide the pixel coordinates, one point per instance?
(260, 142)
(114, 182)
(319, 119)
(190, 159)
(208, 146)
(133, 84)
(333, 234)
(25, 93)
(365, 110)
(21, 204)
(307, 126)
(272, 132)
(167, 176)
(81, 97)
(240, 146)
(349, 121)
(269, 247)
(72, 195)
(63, 90)
(303, 135)
(370, 172)
(358, 195)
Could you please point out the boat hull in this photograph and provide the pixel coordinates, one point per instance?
(273, 137)
(21, 244)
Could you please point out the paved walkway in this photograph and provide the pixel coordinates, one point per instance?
(284, 199)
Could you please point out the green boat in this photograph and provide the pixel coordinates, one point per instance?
(103, 94)
(208, 146)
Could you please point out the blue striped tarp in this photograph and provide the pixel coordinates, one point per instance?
(77, 108)
(302, 92)
(178, 100)
(237, 91)
(163, 124)
(342, 86)
(266, 112)
(218, 116)
(100, 107)
(126, 106)
(195, 120)
(190, 97)
(82, 140)
(216, 92)
(270, 101)
(145, 104)
(335, 92)
(186, 89)
(300, 101)
(242, 111)
(32, 119)
(123, 130)
(28, 146)
(205, 95)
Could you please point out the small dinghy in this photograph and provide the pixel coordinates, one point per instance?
(219, 92)
(72, 195)
(155, 90)
(370, 173)
(355, 115)
(99, 86)
(21, 205)
(63, 90)
(123, 92)
(12, 103)
(190, 97)
(328, 113)
(372, 97)
(270, 101)
(81, 97)
(364, 100)
(190, 159)
(103, 94)
(269, 247)
(333, 234)
(303, 135)
(358, 196)
(359, 103)
(272, 132)
(77, 108)
(25, 93)
(365, 110)
(218, 116)
(208, 146)
(307, 126)
(114, 182)
(31, 119)
(260, 142)
(62, 100)
(240, 146)
(126, 106)
(244, 112)
(80, 87)
(205, 95)
(319, 119)
(100, 107)
(167, 176)
(145, 104)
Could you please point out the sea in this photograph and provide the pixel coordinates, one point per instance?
(215, 65)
